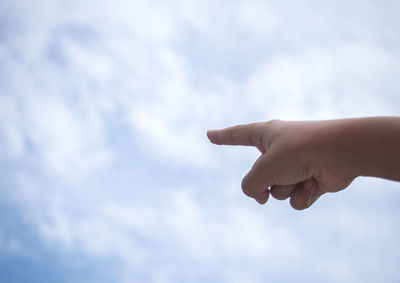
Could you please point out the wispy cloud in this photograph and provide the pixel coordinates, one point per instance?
(104, 108)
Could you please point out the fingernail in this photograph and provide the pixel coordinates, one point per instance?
(212, 136)
(310, 200)
(309, 186)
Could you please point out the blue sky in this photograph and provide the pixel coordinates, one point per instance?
(107, 175)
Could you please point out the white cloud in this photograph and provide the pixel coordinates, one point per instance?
(63, 141)
(66, 141)
(346, 80)
(12, 144)
(128, 76)
(9, 245)
(181, 228)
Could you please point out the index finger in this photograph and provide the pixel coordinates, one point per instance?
(249, 134)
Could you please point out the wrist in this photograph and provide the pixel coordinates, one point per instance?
(369, 146)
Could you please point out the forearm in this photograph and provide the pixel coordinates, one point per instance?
(372, 145)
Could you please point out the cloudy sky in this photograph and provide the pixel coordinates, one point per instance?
(107, 175)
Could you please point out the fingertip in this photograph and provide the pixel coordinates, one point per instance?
(301, 198)
(263, 198)
(261, 202)
(282, 192)
(212, 136)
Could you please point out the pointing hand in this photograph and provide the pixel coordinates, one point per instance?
(304, 160)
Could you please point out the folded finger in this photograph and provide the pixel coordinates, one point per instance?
(282, 192)
(302, 195)
(258, 179)
(263, 197)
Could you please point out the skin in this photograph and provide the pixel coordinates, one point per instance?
(303, 160)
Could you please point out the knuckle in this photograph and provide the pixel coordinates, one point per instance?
(271, 130)
(246, 188)
(278, 194)
(273, 122)
(297, 205)
(234, 133)
(235, 136)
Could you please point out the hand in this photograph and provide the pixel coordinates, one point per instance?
(300, 160)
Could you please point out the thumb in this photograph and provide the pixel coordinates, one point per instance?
(256, 183)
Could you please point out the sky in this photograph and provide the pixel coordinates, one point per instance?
(106, 174)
